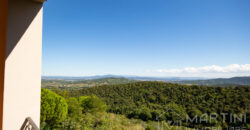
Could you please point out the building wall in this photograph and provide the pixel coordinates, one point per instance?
(22, 82)
(3, 30)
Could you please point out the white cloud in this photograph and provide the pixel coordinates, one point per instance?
(213, 70)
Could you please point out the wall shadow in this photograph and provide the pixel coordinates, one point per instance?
(21, 13)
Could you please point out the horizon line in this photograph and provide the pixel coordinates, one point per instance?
(126, 76)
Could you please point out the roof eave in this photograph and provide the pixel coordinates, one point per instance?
(41, 1)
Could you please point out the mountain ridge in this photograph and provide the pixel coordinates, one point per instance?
(116, 79)
(133, 77)
(244, 80)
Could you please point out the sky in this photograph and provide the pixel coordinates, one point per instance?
(162, 38)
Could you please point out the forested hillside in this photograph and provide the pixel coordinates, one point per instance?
(87, 113)
(147, 100)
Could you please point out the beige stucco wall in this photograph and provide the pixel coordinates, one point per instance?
(23, 64)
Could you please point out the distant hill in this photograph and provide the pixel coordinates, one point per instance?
(48, 83)
(88, 81)
(218, 81)
(131, 77)
(80, 77)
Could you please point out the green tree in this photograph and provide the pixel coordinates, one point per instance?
(54, 108)
(175, 112)
(145, 114)
(74, 108)
(75, 117)
(92, 104)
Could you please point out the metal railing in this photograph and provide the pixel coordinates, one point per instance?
(29, 124)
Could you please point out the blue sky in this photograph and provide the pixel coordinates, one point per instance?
(187, 38)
